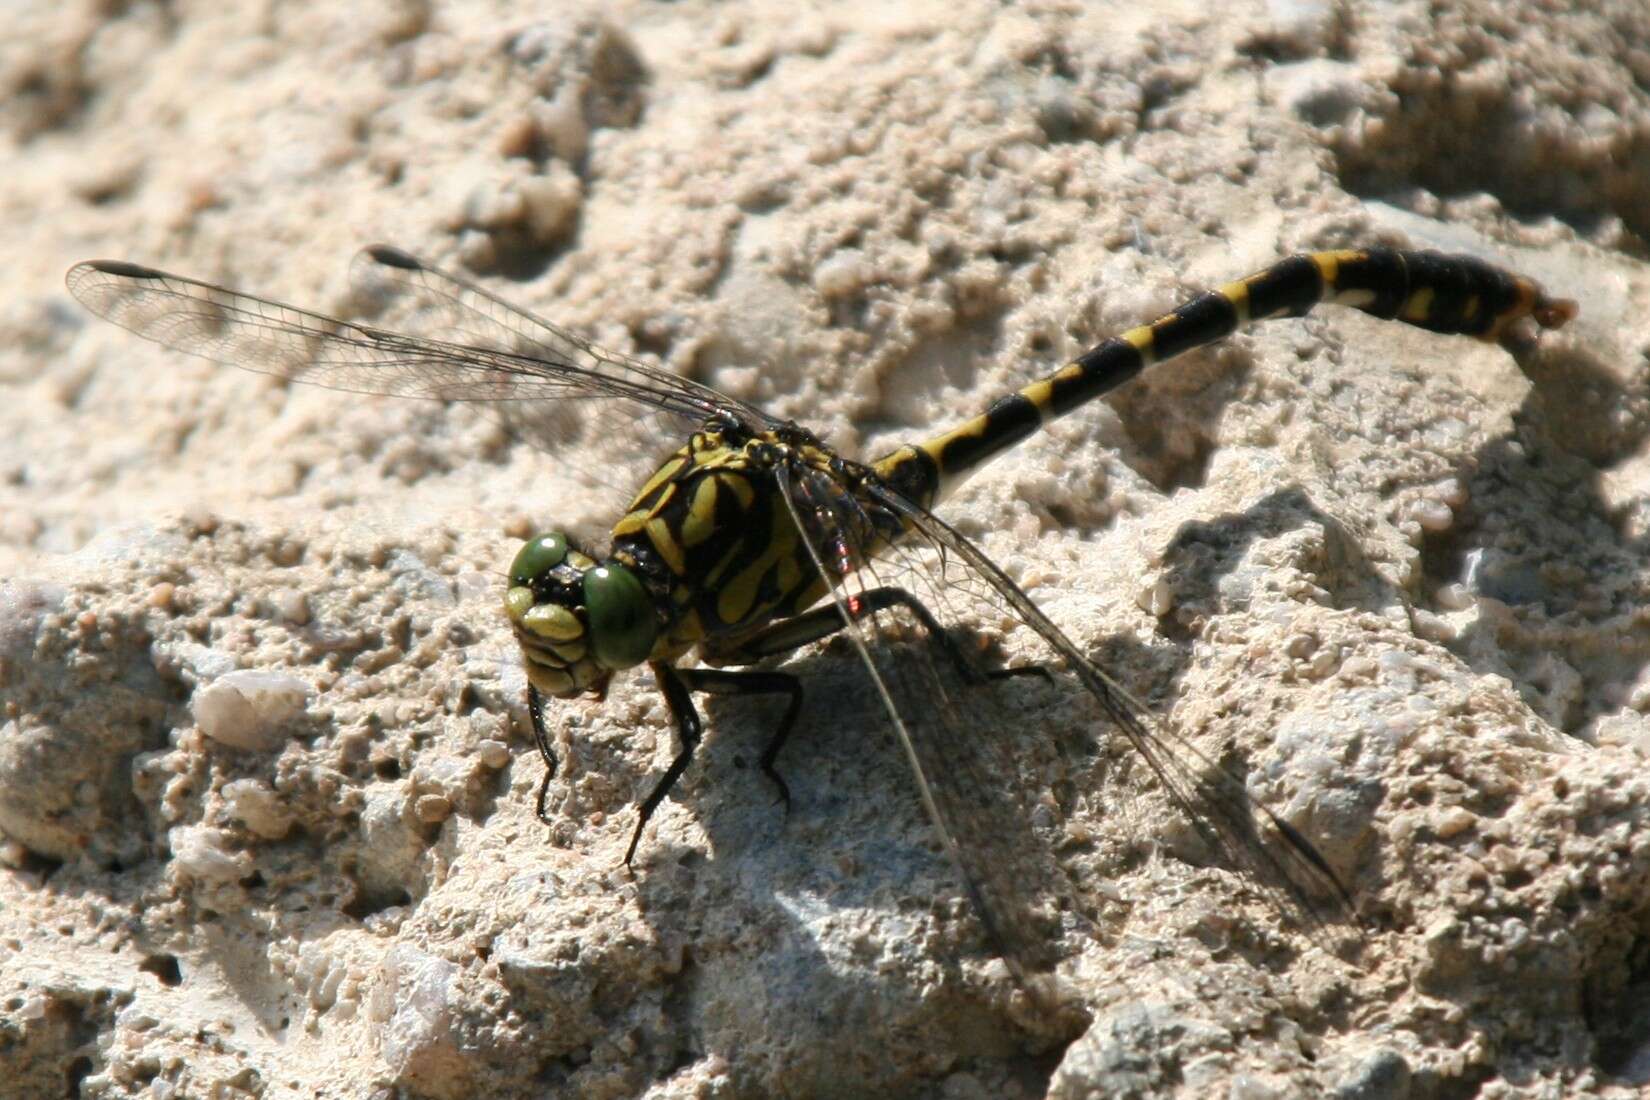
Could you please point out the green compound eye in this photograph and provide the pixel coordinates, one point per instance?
(622, 625)
(538, 556)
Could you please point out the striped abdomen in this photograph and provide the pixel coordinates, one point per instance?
(1448, 294)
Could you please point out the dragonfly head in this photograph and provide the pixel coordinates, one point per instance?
(578, 621)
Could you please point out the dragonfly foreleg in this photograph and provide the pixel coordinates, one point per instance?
(541, 738)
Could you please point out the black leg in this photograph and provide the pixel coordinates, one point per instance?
(676, 684)
(822, 622)
(782, 637)
(689, 727)
(719, 682)
(541, 738)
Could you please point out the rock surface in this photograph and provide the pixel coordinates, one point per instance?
(266, 786)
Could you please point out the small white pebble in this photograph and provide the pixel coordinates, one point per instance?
(291, 605)
(248, 709)
(1454, 597)
(202, 852)
(1434, 628)
(841, 274)
(1156, 598)
(324, 994)
(1359, 669)
(551, 203)
(1323, 662)
(477, 250)
(1432, 515)
(257, 807)
(1638, 697)
(493, 204)
(562, 123)
(1453, 822)
(492, 753)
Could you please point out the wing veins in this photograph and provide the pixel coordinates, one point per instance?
(411, 276)
(996, 911)
(269, 337)
(1294, 863)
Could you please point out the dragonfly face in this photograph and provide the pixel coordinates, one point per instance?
(578, 621)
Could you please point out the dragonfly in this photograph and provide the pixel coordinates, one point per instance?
(754, 538)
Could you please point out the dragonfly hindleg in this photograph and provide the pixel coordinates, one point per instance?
(714, 681)
(822, 622)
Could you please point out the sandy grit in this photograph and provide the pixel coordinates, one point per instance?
(265, 783)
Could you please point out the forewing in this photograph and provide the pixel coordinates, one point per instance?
(489, 352)
(426, 300)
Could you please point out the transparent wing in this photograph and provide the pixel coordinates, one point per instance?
(1278, 859)
(425, 300)
(972, 787)
(983, 788)
(496, 354)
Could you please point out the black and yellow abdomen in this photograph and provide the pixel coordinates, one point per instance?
(1462, 295)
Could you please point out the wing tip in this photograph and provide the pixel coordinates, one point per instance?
(390, 256)
(123, 268)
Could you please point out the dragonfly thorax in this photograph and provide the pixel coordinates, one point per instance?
(578, 620)
(719, 533)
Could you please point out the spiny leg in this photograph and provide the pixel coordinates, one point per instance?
(820, 623)
(541, 738)
(677, 684)
(722, 682)
(812, 626)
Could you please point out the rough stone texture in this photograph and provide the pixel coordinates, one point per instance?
(1400, 580)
